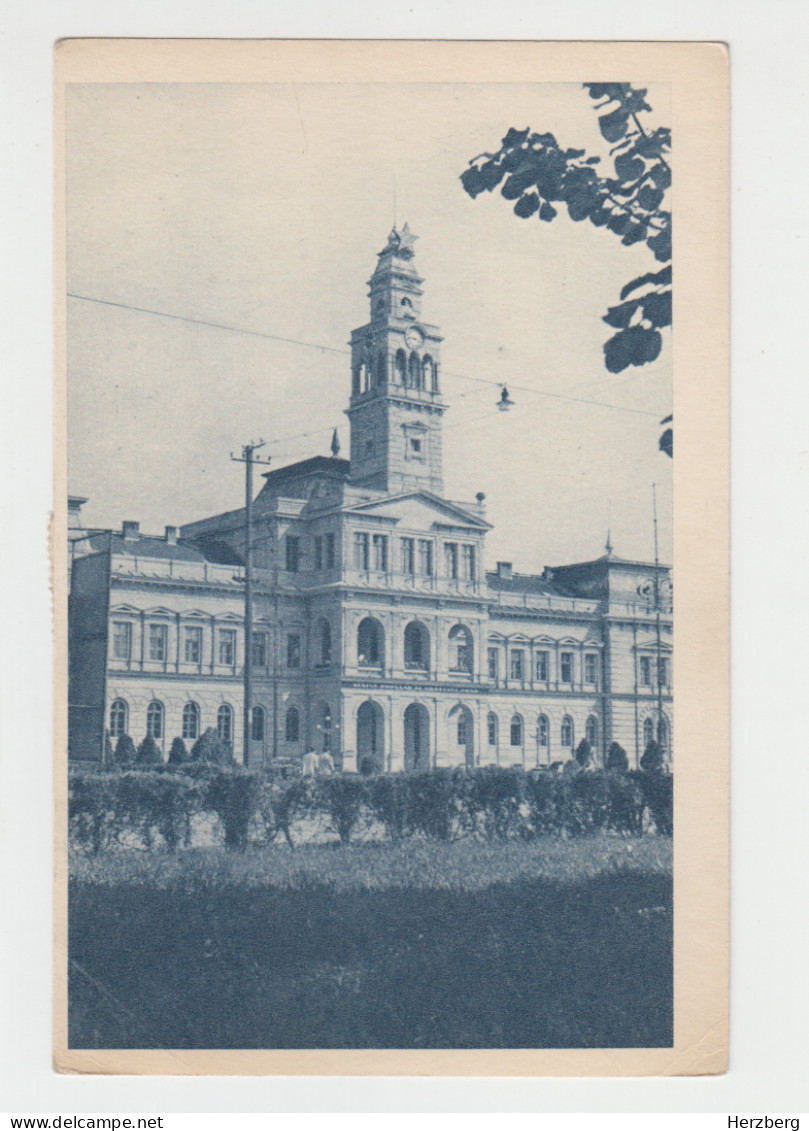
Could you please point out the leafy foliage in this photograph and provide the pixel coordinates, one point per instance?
(148, 752)
(178, 753)
(617, 758)
(125, 752)
(584, 753)
(209, 747)
(156, 807)
(541, 176)
(653, 758)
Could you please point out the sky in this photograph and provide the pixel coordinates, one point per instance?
(261, 207)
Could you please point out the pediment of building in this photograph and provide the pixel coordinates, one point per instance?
(419, 510)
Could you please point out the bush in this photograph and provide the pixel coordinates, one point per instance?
(125, 752)
(388, 799)
(617, 759)
(209, 747)
(150, 803)
(233, 795)
(584, 754)
(149, 752)
(92, 810)
(658, 792)
(653, 758)
(492, 801)
(343, 797)
(178, 753)
(435, 802)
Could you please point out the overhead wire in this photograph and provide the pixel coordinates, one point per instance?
(333, 349)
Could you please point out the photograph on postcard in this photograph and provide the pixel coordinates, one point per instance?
(372, 738)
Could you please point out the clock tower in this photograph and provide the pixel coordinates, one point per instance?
(396, 408)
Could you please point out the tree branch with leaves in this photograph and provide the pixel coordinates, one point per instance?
(539, 175)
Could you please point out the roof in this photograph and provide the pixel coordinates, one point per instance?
(202, 550)
(520, 583)
(315, 465)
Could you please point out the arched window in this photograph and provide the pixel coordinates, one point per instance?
(516, 730)
(382, 369)
(591, 731)
(416, 646)
(324, 633)
(325, 727)
(414, 374)
(370, 643)
(663, 733)
(491, 728)
(293, 725)
(224, 723)
(543, 731)
(356, 381)
(119, 718)
(460, 649)
(154, 720)
(191, 720)
(435, 376)
(257, 725)
(427, 372)
(648, 731)
(567, 731)
(400, 367)
(463, 728)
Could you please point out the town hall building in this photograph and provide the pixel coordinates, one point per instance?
(378, 633)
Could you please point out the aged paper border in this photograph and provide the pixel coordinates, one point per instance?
(698, 74)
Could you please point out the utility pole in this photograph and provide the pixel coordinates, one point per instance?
(247, 458)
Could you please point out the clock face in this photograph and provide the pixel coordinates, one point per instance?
(414, 337)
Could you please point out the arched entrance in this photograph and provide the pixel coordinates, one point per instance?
(462, 736)
(416, 738)
(370, 738)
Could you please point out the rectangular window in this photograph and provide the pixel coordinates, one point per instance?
(646, 671)
(329, 551)
(408, 555)
(361, 552)
(542, 667)
(122, 640)
(494, 663)
(517, 664)
(451, 559)
(380, 548)
(259, 652)
(293, 553)
(193, 645)
(425, 557)
(157, 642)
(318, 551)
(293, 650)
(663, 671)
(469, 563)
(415, 447)
(227, 646)
(590, 669)
(566, 667)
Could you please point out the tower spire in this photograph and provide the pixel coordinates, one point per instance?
(335, 444)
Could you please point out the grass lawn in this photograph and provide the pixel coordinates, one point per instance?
(541, 944)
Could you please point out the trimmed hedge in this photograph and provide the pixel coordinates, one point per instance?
(147, 809)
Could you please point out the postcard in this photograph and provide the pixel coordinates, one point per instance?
(391, 558)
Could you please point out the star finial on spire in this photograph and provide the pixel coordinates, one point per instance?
(406, 240)
(335, 444)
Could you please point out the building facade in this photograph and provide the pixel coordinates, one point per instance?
(378, 633)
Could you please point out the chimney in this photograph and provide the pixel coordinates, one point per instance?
(171, 535)
(131, 531)
(504, 569)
